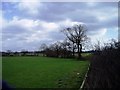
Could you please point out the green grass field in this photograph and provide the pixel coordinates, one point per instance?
(43, 72)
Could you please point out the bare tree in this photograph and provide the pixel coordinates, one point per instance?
(9, 52)
(57, 48)
(77, 35)
(24, 52)
(65, 49)
(43, 48)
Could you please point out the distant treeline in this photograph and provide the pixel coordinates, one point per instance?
(22, 53)
(48, 52)
(72, 46)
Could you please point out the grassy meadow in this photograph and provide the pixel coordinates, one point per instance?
(43, 72)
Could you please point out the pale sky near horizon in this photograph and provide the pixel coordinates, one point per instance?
(26, 25)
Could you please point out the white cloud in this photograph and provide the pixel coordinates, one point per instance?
(106, 14)
(102, 18)
(98, 35)
(0, 16)
(37, 31)
(32, 23)
(29, 7)
(49, 26)
(68, 23)
(29, 31)
(92, 3)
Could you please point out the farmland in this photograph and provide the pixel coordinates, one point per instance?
(43, 72)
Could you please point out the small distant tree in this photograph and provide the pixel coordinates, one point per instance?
(65, 48)
(57, 48)
(8, 52)
(24, 52)
(16, 53)
(43, 48)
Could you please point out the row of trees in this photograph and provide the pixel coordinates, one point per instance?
(75, 39)
(58, 49)
(21, 53)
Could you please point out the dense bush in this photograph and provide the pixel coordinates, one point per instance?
(104, 71)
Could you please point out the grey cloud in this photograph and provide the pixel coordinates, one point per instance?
(10, 32)
(19, 43)
(56, 12)
(14, 29)
(7, 36)
(112, 23)
(58, 9)
(76, 11)
(56, 36)
(61, 11)
(108, 4)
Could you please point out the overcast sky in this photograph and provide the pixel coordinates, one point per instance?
(26, 25)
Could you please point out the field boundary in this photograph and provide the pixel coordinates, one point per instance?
(86, 75)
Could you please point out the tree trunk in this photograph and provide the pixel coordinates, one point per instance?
(57, 53)
(79, 46)
(78, 51)
(73, 50)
